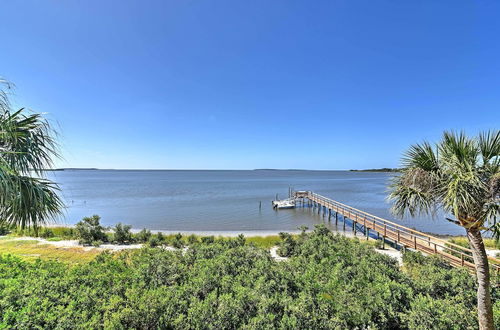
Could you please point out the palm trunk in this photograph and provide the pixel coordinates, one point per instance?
(484, 308)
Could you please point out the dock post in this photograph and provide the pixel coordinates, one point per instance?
(329, 215)
(367, 230)
(336, 218)
(343, 220)
(354, 222)
(383, 242)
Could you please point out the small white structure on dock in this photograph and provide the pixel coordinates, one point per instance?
(300, 194)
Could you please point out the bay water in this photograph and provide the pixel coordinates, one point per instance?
(223, 201)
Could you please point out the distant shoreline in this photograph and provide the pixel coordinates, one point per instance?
(385, 169)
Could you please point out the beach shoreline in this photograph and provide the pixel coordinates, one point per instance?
(216, 233)
(236, 233)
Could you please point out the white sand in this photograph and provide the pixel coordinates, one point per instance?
(275, 256)
(74, 244)
(492, 253)
(393, 253)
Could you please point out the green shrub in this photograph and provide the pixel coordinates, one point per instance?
(46, 233)
(287, 245)
(4, 229)
(154, 241)
(426, 312)
(177, 242)
(208, 239)
(96, 243)
(143, 236)
(328, 282)
(161, 237)
(90, 232)
(192, 239)
(122, 234)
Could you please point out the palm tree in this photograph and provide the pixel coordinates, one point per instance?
(27, 147)
(460, 176)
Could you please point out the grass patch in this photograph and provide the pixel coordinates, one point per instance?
(54, 239)
(264, 242)
(31, 250)
(489, 243)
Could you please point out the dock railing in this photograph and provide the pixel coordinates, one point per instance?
(456, 255)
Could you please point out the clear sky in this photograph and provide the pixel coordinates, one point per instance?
(252, 84)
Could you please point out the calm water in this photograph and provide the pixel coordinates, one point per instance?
(221, 200)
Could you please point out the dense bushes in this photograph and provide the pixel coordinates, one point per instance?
(90, 232)
(122, 234)
(328, 282)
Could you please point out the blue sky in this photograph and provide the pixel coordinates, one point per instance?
(252, 84)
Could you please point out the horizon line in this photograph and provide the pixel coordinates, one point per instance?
(197, 169)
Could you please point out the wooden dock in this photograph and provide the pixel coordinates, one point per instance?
(387, 231)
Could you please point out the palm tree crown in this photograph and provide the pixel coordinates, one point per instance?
(460, 175)
(27, 147)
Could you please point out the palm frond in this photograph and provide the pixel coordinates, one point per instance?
(421, 156)
(489, 144)
(27, 141)
(464, 196)
(34, 203)
(413, 192)
(458, 151)
(4, 95)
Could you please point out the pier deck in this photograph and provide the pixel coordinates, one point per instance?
(402, 236)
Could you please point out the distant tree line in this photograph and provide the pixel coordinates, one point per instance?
(384, 169)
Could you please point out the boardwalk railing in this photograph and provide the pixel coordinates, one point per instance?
(456, 255)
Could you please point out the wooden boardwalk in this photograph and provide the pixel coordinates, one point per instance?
(386, 230)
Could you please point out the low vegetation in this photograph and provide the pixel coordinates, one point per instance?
(328, 282)
(489, 243)
(30, 250)
(90, 232)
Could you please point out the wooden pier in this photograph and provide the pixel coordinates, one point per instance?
(400, 236)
